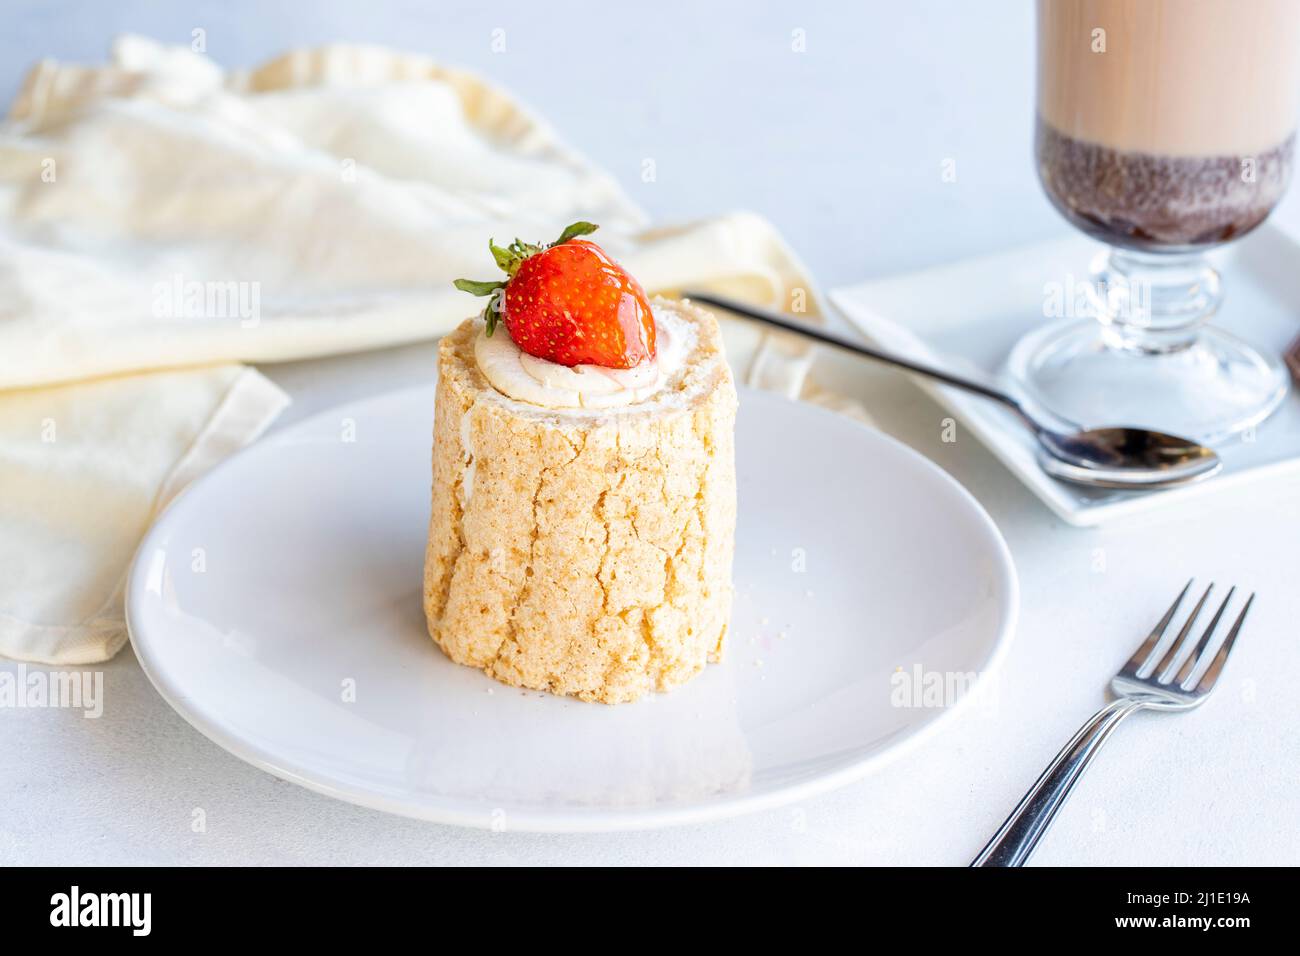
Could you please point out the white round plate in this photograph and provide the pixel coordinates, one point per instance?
(276, 605)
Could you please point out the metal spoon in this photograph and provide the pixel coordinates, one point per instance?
(1114, 457)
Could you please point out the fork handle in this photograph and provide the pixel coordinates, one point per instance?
(1020, 832)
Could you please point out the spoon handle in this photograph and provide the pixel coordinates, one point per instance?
(866, 351)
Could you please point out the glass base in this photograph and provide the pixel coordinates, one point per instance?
(1209, 390)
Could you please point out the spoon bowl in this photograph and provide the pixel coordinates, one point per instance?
(1125, 458)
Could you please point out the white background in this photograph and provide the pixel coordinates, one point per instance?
(841, 147)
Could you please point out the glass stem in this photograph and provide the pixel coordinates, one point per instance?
(1154, 303)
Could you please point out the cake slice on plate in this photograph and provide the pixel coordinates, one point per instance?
(584, 488)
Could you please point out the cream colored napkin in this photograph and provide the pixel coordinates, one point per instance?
(161, 213)
(86, 468)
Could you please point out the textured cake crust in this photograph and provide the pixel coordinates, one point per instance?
(581, 553)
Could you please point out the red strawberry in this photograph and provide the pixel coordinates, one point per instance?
(569, 302)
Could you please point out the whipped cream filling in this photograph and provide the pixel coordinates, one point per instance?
(536, 381)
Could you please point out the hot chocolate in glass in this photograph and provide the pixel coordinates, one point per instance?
(1164, 128)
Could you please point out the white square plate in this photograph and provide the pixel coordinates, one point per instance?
(969, 315)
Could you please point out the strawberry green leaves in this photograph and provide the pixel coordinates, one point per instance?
(479, 288)
(574, 230)
(491, 311)
(509, 259)
(512, 256)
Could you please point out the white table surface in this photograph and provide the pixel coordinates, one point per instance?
(841, 147)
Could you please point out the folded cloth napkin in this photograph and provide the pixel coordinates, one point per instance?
(162, 219)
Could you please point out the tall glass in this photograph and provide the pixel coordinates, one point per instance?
(1165, 128)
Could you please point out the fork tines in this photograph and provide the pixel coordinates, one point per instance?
(1180, 660)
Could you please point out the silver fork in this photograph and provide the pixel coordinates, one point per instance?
(1163, 674)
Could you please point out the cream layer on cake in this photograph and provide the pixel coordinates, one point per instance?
(536, 381)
